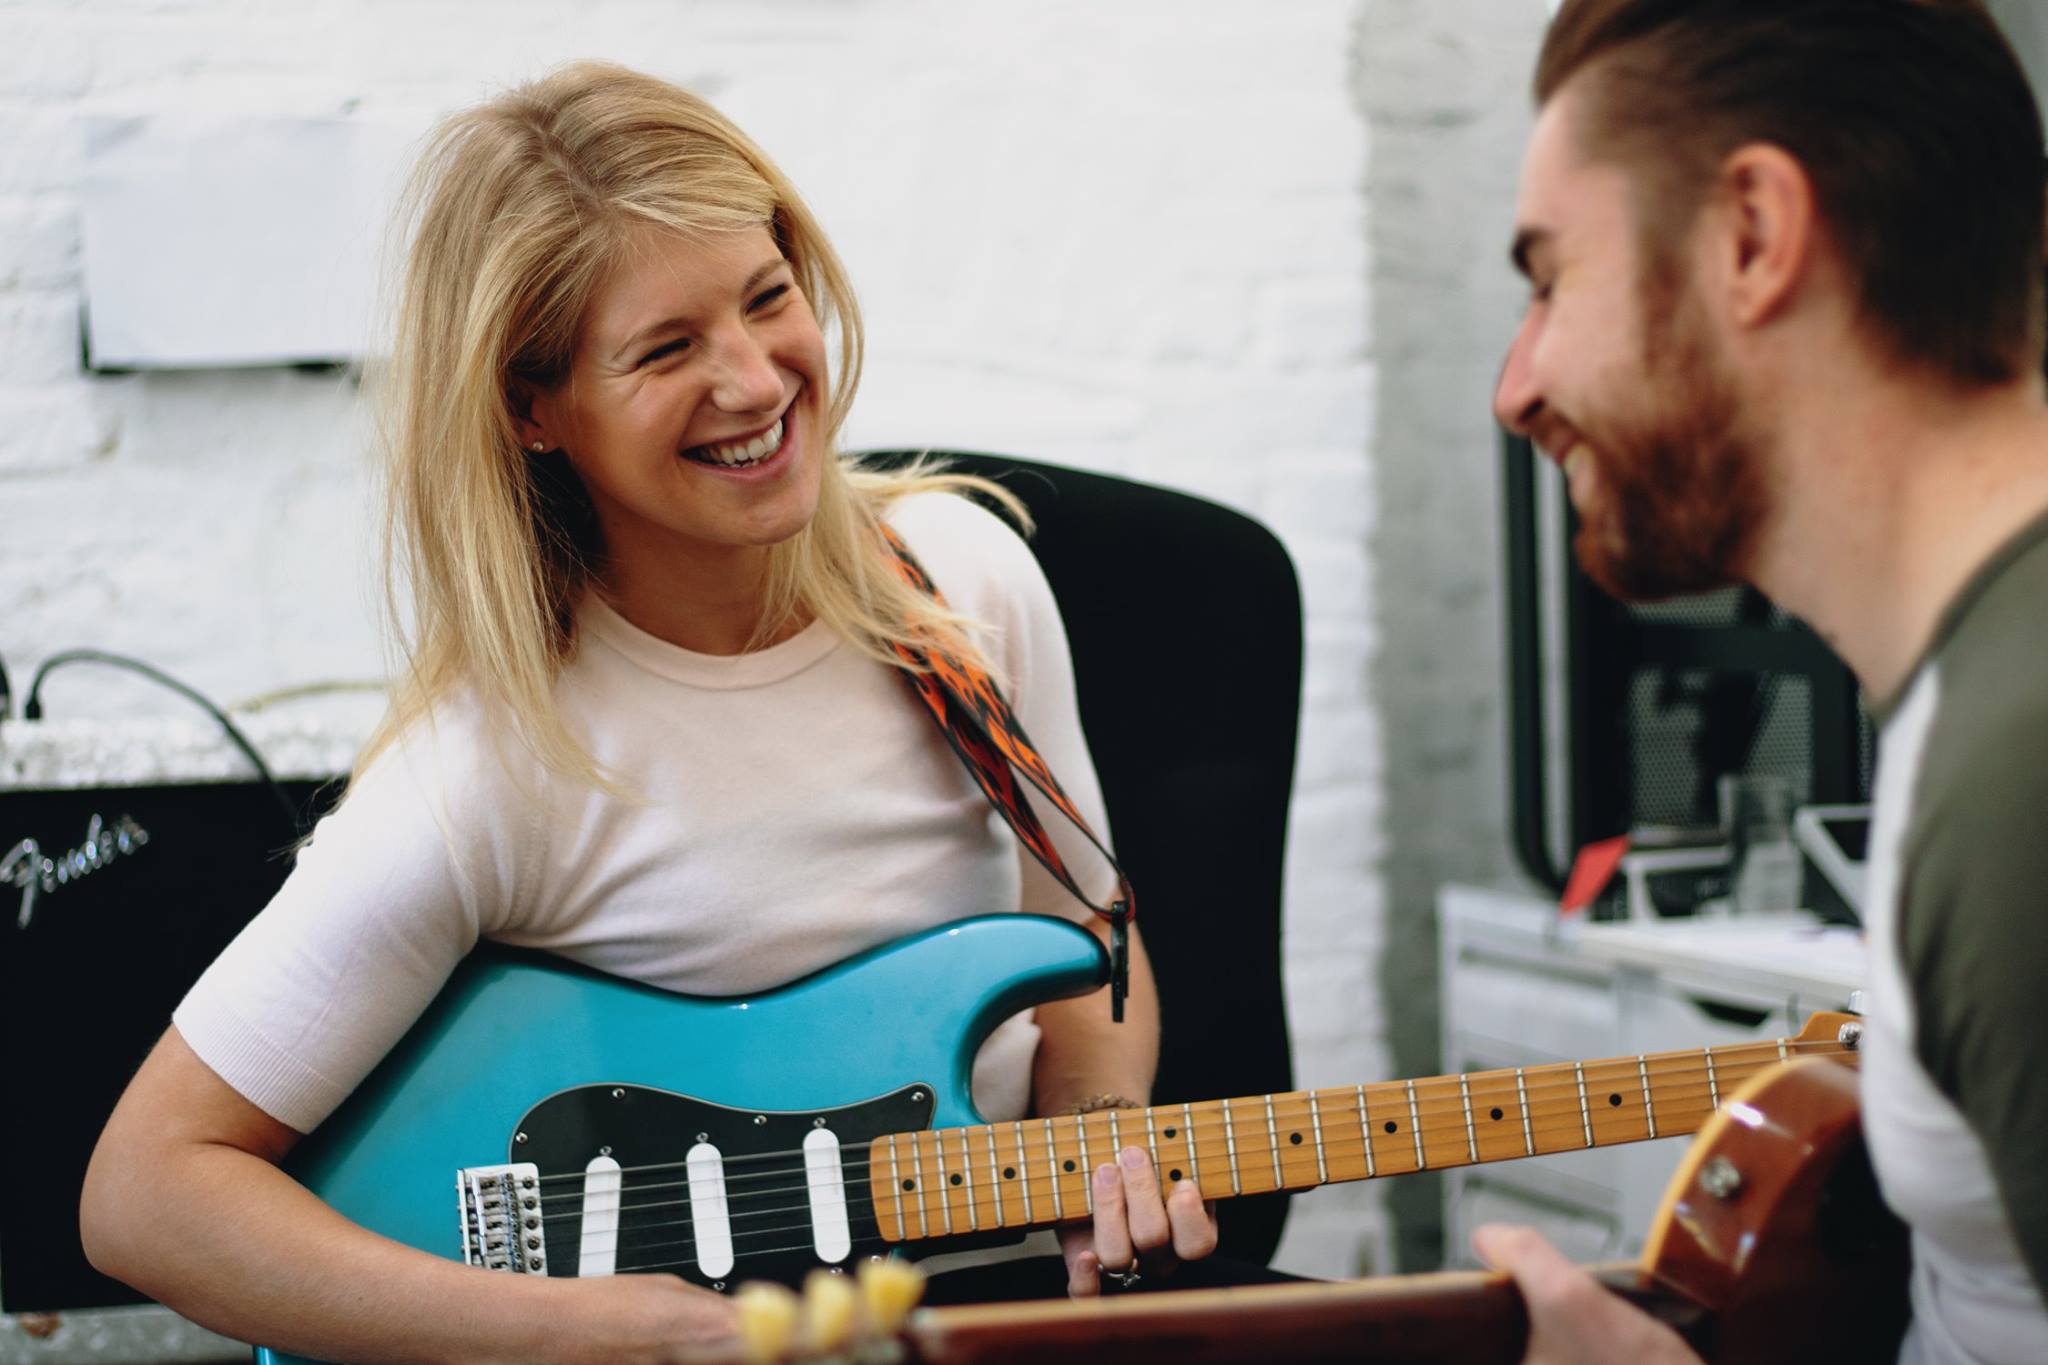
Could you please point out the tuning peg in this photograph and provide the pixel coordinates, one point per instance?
(830, 1310)
(891, 1288)
(767, 1321)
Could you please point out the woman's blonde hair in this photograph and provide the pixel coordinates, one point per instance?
(517, 213)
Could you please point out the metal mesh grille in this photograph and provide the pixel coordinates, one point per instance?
(1662, 731)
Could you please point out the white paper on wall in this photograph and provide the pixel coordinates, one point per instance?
(233, 241)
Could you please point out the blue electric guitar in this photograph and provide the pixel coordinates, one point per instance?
(543, 1119)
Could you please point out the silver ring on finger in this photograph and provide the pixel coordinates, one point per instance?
(1124, 1279)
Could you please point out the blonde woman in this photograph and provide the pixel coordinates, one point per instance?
(650, 722)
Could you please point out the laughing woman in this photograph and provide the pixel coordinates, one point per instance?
(652, 721)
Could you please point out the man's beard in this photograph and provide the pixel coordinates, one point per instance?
(1679, 489)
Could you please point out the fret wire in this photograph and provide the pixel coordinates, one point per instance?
(1649, 1114)
(1471, 1135)
(1585, 1113)
(1415, 1128)
(1315, 1118)
(1273, 1136)
(1187, 1127)
(896, 1189)
(995, 1170)
(945, 1191)
(1151, 1140)
(1365, 1133)
(1713, 1090)
(1052, 1166)
(1024, 1172)
(967, 1179)
(1781, 1049)
(1230, 1146)
(1087, 1168)
(1528, 1138)
(1116, 1140)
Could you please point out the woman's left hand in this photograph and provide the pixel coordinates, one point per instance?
(1136, 1228)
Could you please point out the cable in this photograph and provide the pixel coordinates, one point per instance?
(6, 692)
(32, 709)
(249, 706)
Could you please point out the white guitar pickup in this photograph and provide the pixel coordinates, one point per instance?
(501, 1218)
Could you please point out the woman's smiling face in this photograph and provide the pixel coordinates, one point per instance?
(694, 409)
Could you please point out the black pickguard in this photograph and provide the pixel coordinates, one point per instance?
(649, 1132)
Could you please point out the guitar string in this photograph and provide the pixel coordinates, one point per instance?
(866, 1206)
(924, 1220)
(1681, 1112)
(1728, 1073)
(1572, 1125)
(1342, 1100)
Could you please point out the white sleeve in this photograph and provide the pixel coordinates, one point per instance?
(396, 885)
(986, 572)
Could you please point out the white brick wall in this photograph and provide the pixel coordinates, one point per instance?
(1126, 237)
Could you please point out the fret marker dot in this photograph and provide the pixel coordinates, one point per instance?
(1496, 1114)
(1174, 1174)
(1294, 1138)
(1393, 1127)
(1070, 1165)
(1169, 1132)
(1614, 1099)
(1009, 1172)
(955, 1179)
(910, 1184)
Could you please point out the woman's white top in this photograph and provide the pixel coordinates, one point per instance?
(799, 807)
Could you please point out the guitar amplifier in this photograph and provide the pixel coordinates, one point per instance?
(113, 900)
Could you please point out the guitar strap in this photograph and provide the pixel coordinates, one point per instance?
(980, 727)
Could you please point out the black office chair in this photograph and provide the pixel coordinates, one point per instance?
(1185, 623)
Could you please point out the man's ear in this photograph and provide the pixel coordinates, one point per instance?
(1769, 231)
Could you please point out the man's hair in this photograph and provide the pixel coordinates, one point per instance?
(1911, 118)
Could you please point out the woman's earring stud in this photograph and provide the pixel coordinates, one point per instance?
(537, 447)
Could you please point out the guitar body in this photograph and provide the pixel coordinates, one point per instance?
(1774, 1225)
(526, 1059)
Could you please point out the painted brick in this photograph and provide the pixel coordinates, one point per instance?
(39, 337)
(38, 242)
(47, 56)
(58, 428)
(42, 142)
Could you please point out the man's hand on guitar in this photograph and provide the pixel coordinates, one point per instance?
(1572, 1320)
(1136, 1227)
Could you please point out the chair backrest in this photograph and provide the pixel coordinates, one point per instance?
(1185, 622)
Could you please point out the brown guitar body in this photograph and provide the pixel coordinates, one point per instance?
(1771, 1246)
(1773, 1224)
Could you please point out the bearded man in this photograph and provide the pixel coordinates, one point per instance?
(1785, 328)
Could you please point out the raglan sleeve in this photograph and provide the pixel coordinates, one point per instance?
(1975, 949)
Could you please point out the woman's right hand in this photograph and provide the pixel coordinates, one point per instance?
(658, 1319)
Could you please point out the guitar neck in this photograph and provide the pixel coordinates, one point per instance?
(1035, 1172)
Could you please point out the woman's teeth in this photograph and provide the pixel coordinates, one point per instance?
(740, 452)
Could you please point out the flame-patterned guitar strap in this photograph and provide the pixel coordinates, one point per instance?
(982, 729)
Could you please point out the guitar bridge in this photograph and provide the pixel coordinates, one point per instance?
(501, 1218)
